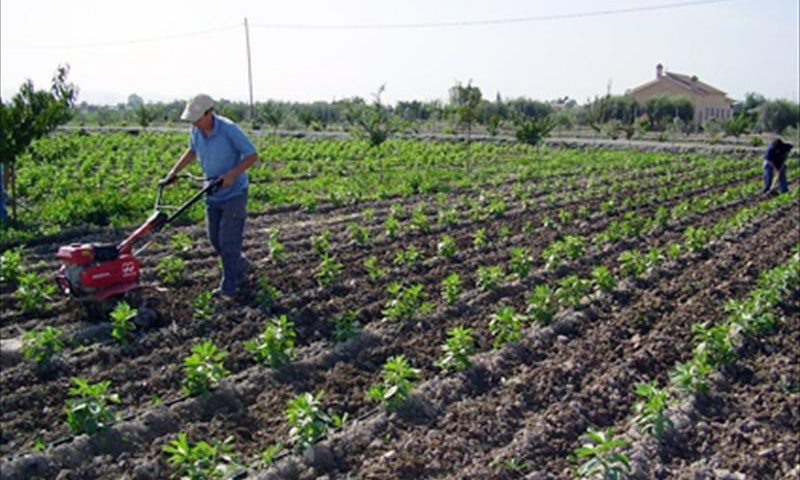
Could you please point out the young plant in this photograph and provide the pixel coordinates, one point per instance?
(203, 368)
(480, 240)
(391, 226)
(88, 410)
(374, 272)
(308, 419)
(41, 345)
(322, 243)
(542, 304)
(601, 456)
(34, 292)
(489, 278)
(570, 290)
(359, 234)
(276, 250)
(603, 279)
(520, 262)
(202, 305)
(691, 376)
(181, 243)
(201, 460)
(458, 347)
(345, 326)
(328, 271)
(714, 342)
(419, 220)
(446, 247)
(397, 384)
(410, 257)
(650, 410)
(448, 216)
(170, 270)
(696, 238)
(266, 293)
(275, 345)
(10, 263)
(406, 303)
(632, 263)
(451, 288)
(122, 322)
(506, 326)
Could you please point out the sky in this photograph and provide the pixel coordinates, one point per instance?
(307, 50)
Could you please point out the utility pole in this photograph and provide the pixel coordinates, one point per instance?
(249, 67)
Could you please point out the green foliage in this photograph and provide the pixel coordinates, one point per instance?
(570, 247)
(542, 304)
(466, 102)
(375, 273)
(374, 122)
(458, 347)
(489, 278)
(308, 419)
(419, 219)
(266, 293)
(521, 262)
(322, 243)
(10, 263)
(275, 248)
(632, 263)
(202, 305)
(270, 453)
(480, 241)
(275, 345)
(601, 456)
(696, 238)
(506, 326)
(88, 410)
(692, 376)
(446, 247)
(410, 257)
(328, 271)
(203, 368)
(533, 130)
(40, 345)
(170, 270)
(181, 243)
(603, 279)
(398, 382)
(714, 343)
(34, 292)
(359, 234)
(122, 322)
(650, 410)
(570, 290)
(201, 460)
(406, 303)
(346, 326)
(451, 288)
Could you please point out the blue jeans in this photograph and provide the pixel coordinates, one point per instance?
(768, 174)
(226, 232)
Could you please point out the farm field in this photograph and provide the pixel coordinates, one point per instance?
(573, 276)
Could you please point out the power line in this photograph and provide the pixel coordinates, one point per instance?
(477, 23)
(127, 42)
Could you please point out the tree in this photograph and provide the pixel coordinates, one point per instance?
(466, 102)
(780, 114)
(372, 122)
(30, 115)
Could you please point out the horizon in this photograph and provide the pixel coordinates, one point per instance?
(309, 51)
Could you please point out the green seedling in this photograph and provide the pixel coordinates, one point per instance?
(374, 272)
(88, 410)
(201, 460)
(602, 456)
(275, 345)
(506, 326)
(451, 288)
(542, 304)
(203, 368)
(458, 347)
(446, 247)
(346, 326)
(328, 272)
(34, 292)
(122, 322)
(521, 262)
(307, 418)
(406, 303)
(170, 270)
(40, 345)
(398, 382)
(489, 278)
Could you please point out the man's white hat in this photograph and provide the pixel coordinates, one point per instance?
(196, 107)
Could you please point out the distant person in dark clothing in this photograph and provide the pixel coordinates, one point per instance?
(775, 162)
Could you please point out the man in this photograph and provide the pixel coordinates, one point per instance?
(775, 162)
(224, 152)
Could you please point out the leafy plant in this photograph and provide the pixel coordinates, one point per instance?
(446, 247)
(359, 234)
(570, 247)
(346, 326)
(88, 410)
(451, 288)
(632, 263)
(276, 250)
(181, 242)
(201, 460)
(170, 270)
(603, 279)
(480, 240)
(542, 304)
(203, 368)
(34, 292)
(533, 130)
(650, 410)
(714, 342)
(322, 243)
(270, 453)
(374, 272)
(696, 238)
(601, 456)
(409, 257)
(520, 262)
(266, 293)
(40, 345)
(406, 303)
(10, 263)
(122, 322)
(398, 382)
(419, 219)
(691, 376)
(570, 290)
(506, 326)
(458, 347)
(328, 271)
(275, 345)
(489, 278)
(308, 419)
(391, 226)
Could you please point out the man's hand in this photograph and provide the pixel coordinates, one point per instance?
(229, 179)
(171, 177)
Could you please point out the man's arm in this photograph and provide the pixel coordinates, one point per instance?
(246, 163)
(188, 157)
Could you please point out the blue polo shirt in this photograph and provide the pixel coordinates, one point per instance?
(219, 152)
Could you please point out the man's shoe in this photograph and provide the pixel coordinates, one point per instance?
(222, 294)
